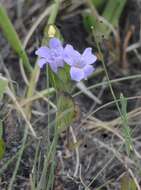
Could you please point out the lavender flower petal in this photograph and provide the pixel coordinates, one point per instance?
(77, 74)
(55, 43)
(41, 62)
(71, 56)
(88, 57)
(88, 70)
(54, 67)
(43, 52)
(80, 64)
(52, 54)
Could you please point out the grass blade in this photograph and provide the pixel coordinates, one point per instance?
(2, 145)
(12, 37)
(126, 129)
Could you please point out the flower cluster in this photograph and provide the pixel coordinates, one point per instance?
(57, 56)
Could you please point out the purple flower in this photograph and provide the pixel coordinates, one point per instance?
(80, 64)
(53, 54)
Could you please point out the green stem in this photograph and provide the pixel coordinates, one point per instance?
(54, 12)
(107, 76)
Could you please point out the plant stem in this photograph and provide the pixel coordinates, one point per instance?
(54, 12)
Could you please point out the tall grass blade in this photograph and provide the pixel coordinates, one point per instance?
(12, 37)
(127, 183)
(126, 129)
(2, 145)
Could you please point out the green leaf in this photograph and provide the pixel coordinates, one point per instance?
(1, 129)
(66, 111)
(88, 19)
(127, 183)
(2, 146)
(111, 13)
(61, 81)
(98, 3)
(113, 10)
(124, 183)
(3, 86)
(132, 185)
(91, 23)
(12, 37)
